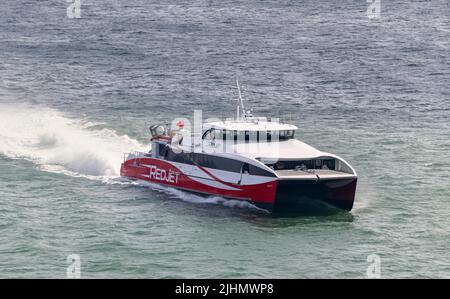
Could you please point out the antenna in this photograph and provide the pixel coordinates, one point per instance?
(241, 101)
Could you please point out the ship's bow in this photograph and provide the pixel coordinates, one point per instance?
(315, 195)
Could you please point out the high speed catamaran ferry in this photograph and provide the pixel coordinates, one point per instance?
(254, 159)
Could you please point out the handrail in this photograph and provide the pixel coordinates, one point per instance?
(135, 154)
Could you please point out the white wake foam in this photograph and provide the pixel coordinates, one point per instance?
(60, 144)
(198, 199)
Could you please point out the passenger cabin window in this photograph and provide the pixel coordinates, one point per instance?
(228, 135)
(236, 136)
(245, 168)
(286, 134)
(218, 134)
(304, 164)
(253, 136)
(241, 135)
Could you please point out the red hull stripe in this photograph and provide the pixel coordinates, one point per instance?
(213, 176)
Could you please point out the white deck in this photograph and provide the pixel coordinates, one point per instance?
(291, 149)
(315, 174)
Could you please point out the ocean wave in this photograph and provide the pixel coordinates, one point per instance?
(60, 144)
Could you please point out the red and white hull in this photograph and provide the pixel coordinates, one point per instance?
(271, 193)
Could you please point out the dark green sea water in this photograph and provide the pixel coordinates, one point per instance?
(75, 94)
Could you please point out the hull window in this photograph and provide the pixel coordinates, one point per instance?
(255, 170)
(305, 164)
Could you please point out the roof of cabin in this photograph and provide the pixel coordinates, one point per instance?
(254, 124)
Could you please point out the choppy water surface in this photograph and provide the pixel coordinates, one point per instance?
(75, 94)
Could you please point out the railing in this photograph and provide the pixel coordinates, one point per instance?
(133, 155)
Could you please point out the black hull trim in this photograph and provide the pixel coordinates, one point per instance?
(312, 197)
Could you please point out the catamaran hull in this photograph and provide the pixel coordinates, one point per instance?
(298, 196)
(272, 194)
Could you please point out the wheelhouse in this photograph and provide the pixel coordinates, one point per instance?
(248, 136)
